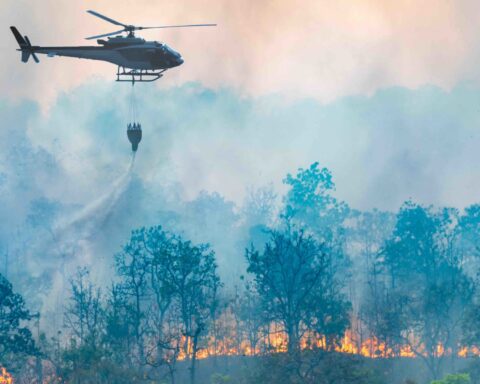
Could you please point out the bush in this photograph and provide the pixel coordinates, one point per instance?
(313, 367)
(463, 378)
(217, 378)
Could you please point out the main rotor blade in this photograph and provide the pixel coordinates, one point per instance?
(105, 18)
(105, 35)
(179, 26)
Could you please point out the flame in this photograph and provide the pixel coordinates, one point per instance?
(274, 340)
(277, 342)
(5, 377)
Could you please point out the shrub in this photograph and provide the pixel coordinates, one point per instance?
(463, 378)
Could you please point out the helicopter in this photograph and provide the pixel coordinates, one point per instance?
(137, 60)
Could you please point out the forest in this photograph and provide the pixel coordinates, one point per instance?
(298, 288)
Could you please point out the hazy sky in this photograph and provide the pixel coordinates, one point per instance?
(385, 94)
(321, 49)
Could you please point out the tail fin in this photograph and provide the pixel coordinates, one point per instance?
(25, 46)
(20, 40)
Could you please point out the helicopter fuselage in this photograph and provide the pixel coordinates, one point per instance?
(127, 52)
(137, 59)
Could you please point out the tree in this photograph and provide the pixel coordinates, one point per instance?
(298, 285)
(212, 219)
(84, 321)
(169, 286)
(424, 284)
(259, 206)
(16, 342)
(365, 237)
(119, 326)
(84, 313)
(133, 265)
(310, 204)
(470, 226)
(258, 212)
(165, 339)
(191, 274)
(249, 315)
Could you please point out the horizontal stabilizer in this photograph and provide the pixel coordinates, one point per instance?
(25, 56)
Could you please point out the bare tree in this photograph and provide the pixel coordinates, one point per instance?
(190, 272)
(133, 265)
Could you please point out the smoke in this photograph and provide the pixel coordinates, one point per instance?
(85, 223)
(202, 149)
(72, 242)
(340, 47)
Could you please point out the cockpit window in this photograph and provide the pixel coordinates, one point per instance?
(171, 51)
(165, 48)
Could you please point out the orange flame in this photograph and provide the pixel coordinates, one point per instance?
(275, 340)
(5, 377)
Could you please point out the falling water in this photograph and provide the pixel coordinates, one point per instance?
(71, 242)
(85, 223)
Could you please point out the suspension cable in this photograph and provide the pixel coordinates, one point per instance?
(133, 106)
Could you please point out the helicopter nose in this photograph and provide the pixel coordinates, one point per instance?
(180, 60)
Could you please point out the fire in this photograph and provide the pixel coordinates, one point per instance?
(5, 377)
(371, 347)
(273, 339)
(277, 342)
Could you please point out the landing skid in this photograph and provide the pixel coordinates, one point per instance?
(138, 75)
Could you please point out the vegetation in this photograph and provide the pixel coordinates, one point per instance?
(454, 379)
(16, 342)
(324, 290)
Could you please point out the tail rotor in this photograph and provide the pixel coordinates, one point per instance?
(25, 46)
